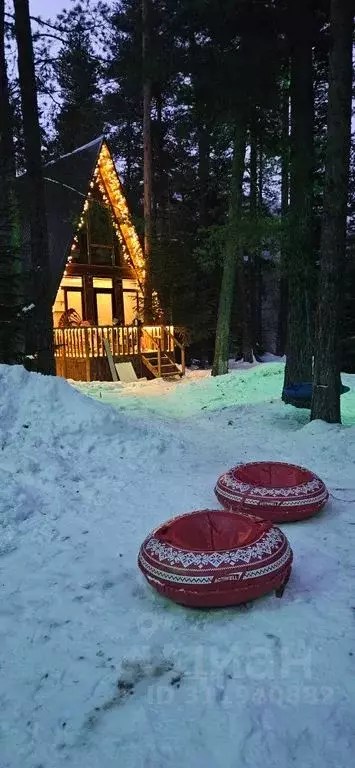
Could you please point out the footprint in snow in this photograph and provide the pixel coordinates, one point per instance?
(134, 674)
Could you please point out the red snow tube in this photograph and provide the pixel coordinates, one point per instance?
(272, 490)
(216, 558)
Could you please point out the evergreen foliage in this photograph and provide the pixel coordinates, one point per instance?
(260, 68)
(80, 118)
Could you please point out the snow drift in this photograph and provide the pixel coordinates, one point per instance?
(97, 670)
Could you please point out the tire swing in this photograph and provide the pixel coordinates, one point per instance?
(214, 558)
(272, 490)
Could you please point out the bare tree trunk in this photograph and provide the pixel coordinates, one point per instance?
(128, 159)
(258, 264)
(254, 267)
(203, 171)
(232, 254)
(244, 293)
(300, 258)
(285, 170)
(202, 132)
(160, 185)
(42, 320)
(326, 386)
(12, 343)
(147, 161)
(246, 269)
(161, 213)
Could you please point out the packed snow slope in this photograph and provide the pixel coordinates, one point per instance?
(97, 671)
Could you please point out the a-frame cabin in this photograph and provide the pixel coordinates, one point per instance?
(97, 270)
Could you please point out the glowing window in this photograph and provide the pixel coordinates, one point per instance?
(130, 306)
(104, 308)
(71, 282)
(130, 285)
(102, 282)
(75, 301)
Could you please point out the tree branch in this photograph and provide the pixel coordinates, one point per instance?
(37, 35)
(42, 23)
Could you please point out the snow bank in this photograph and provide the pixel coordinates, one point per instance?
(52, 436)
(97, 671)
(245, 384)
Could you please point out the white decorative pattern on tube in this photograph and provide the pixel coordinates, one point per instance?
(268, 543)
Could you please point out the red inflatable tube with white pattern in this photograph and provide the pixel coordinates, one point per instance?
(272, 490)
(213, 558)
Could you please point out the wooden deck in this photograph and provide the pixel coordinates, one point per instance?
(80, 351)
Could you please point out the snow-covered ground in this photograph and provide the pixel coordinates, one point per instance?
(96, 670)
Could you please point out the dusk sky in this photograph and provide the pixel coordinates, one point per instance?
(48, 8)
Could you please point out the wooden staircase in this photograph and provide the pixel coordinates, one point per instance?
(159, 361)
(161, 365)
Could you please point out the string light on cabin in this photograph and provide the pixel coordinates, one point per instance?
(75, 243)
(105, 177)
(108, 172)
(125, 252)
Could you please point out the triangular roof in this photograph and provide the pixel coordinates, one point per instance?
(67, 186)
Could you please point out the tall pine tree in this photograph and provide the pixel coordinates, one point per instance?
(80, 118)
(300, 234)
(11, 265)
(326, 385)
(41, 330)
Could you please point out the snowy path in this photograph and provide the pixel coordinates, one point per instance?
(98, 671)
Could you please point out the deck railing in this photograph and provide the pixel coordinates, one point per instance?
(86, 342)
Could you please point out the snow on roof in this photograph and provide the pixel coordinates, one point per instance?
(98, 141)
